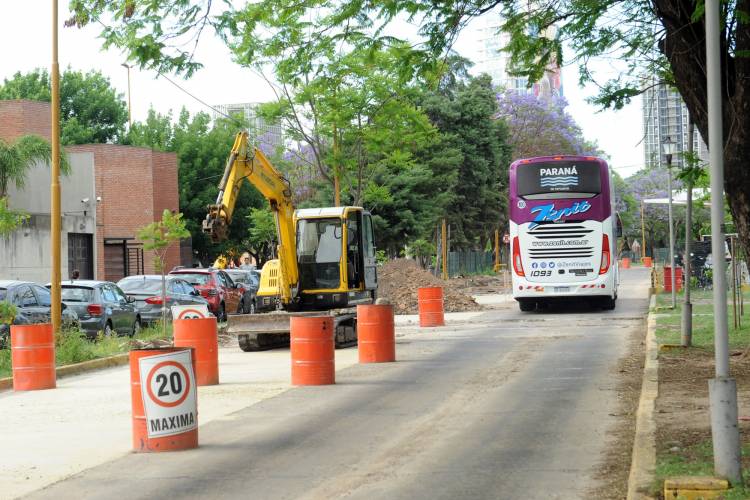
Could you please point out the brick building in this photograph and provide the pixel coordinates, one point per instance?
(131, 188)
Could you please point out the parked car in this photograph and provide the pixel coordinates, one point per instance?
(217, 287)
(33, 304)
(101, 307)
(146, 291)
(249, 281)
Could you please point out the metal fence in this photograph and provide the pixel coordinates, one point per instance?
(463, 263)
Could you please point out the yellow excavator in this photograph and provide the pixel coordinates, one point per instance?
(326, 256)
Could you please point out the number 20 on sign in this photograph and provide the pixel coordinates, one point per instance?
(169, 394)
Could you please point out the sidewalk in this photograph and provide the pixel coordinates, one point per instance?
(86, 421)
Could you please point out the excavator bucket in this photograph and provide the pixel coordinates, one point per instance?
(260, 332)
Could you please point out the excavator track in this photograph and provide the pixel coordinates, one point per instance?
(265, 331)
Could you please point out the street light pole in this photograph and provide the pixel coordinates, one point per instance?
(130, 111)
(643, 233)
(56, 223)
(687, 307)
(722, 389)
(669, 149)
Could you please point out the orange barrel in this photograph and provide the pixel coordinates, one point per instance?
(312, 346)
(202, 334)
(430, 301)
(647, 261)
(625, 263)
(175, 401)
(376, 335)
(33, 357)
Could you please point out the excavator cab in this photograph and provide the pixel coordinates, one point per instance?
(335, 257)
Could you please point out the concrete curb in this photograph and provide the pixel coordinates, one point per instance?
(86, 366)
(644, 446)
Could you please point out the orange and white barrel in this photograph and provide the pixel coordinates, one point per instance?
(163, 399)
(33, 357)
(201, 334)
(430, 301)
(313, 350)
(376, 334)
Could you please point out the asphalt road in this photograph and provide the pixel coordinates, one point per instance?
(513, 405)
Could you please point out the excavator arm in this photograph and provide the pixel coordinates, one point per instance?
(248, 163)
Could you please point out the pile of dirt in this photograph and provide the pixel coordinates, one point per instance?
(398, 281)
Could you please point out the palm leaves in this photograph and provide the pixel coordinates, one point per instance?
(17, 158)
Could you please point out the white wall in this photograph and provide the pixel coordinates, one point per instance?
(26, 254)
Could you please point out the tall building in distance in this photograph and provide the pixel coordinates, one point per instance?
(267, 136)
(492, 60)
(665, 115)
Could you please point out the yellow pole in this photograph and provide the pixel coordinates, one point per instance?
(445, 250)
(55, 227)
(643, 233)
(336, 187)
(497, 250)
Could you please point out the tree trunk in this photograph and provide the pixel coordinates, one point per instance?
(163, 299)
(685, 48)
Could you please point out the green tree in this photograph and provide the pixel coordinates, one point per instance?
(158, 237)
(9, 219)
(423, 251)
(16, 159)
(467, 118)
(262, 234)
(202, 150)
(661, 38)
(91, 111)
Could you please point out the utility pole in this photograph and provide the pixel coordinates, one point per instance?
(687, 307)
(444, 242)
(669, 149)
(130, 109)
(497, 250)
(56, 223)
(722, 389)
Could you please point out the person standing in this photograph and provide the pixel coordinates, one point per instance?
(636, 247)
(246, 264)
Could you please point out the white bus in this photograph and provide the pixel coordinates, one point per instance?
(563, 231)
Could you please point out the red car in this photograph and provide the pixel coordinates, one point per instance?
(223, 294)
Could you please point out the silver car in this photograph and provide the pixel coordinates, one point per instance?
(33, 305)
(101, 307)
(145, 289)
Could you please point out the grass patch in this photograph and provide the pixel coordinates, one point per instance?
(72, 347)
(668, 321)
(695, 460)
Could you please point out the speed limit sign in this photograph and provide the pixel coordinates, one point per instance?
(169, 395)
(190, 312)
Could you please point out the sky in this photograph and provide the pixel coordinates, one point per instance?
(25, 35)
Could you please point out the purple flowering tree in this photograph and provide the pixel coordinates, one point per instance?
(540, 126)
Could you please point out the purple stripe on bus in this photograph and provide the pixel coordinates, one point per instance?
(521, 210)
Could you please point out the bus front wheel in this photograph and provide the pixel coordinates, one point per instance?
(526, 305)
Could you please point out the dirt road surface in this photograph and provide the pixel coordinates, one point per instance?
(510, 405)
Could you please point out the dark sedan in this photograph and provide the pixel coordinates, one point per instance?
(249, 281)
(33, 304)
(101, 307)
(146, 290)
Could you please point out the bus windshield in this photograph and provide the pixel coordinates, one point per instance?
(559, 179)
